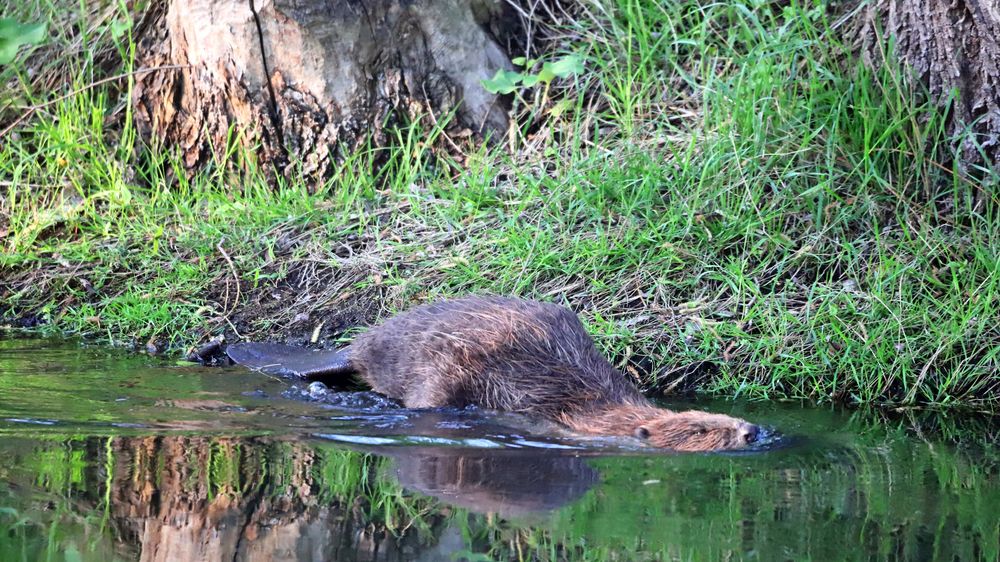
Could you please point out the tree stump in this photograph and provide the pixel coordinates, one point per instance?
(951, 46)
(302, 81)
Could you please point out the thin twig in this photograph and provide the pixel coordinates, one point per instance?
(236, 278)
(923, 374)
(430, 109)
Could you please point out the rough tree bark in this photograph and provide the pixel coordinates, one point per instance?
(298, 80)
(951, 46)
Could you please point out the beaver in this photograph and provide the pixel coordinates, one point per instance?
(509, 354)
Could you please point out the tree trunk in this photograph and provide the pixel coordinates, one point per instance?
(951, 46)
(300, 80)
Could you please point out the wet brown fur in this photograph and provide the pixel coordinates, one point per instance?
(529, 357)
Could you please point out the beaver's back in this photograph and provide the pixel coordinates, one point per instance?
(500, 353)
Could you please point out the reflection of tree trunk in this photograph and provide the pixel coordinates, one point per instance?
(951, 45)
(300, 78)
(201, 498)
(198, 498)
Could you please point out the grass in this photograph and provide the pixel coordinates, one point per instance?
(731, 201)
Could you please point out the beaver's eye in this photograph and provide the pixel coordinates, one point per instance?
(702, 430)
(642, 432)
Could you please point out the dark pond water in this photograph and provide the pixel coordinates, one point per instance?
(109, 456)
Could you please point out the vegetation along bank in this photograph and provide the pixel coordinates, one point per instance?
(728, 196)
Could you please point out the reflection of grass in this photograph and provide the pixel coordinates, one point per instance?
(225, 466)
(59, 533)
(736, 192)
(60, 469)
(42, 517)
(887, 497)
(892, 495)
(341, 475)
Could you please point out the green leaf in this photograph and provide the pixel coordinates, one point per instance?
(26, 33)
(519, 61)
(7, 52)
(558, 109)
(529, 80)
(14, 34)
(546, 75)
(569, 65)
(503, 82)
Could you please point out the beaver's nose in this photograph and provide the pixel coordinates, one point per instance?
(749, 432)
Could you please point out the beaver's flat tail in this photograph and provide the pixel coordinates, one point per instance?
(291, 361)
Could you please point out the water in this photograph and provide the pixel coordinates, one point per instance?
(110, 456)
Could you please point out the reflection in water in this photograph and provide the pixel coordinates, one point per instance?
(490, 476)
(109, 476)
(198, 498)
(210, 498)
(237, 510)
(180, 498)
(510, 484)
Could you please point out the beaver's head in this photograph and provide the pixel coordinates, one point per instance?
(697, 431)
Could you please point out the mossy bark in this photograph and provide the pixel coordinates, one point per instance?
(300, 80)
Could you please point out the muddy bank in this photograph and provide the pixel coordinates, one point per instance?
(303, 296)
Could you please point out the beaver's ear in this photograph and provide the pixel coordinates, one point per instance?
(642, 432)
